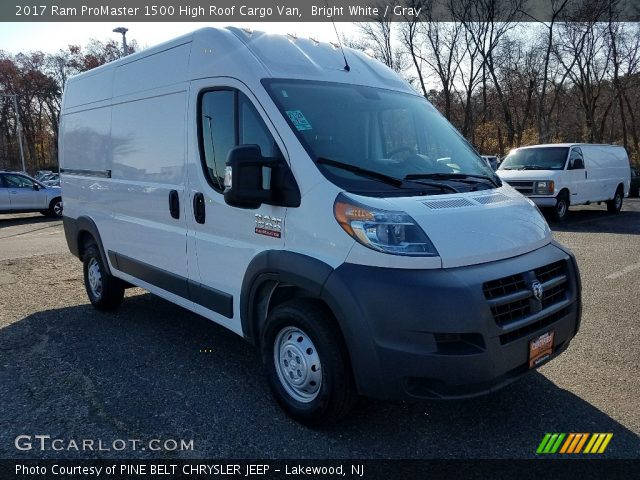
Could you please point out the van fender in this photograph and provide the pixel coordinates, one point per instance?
(271, 267)
(73, 230)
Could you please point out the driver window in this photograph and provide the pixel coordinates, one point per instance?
(576, 154)
(18, 181)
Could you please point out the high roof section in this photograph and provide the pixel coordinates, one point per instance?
(229, 52)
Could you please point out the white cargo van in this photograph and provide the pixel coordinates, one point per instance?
(556, 176)
(319, 207)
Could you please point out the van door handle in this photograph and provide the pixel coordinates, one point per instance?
(174, 204)
(198, 207)
(585, 174)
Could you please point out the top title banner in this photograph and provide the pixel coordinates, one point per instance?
(317, 10)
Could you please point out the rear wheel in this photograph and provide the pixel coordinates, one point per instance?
(614, 205)
(561, 210)
(105, 291)
(307, 363)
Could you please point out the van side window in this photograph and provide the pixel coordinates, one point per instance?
(576, 154)
(218, 132)
(228, 119)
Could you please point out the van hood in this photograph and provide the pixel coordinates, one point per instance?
(477, 227)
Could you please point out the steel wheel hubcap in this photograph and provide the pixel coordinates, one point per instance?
(561, 208)
(297, 364)
(95, 278)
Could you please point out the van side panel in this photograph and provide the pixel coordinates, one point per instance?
(607, 167)
(148, 143)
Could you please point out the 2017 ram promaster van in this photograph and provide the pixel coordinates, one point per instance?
(319, 207)
(555, 176)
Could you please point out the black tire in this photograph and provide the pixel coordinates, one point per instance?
(55, 208)
(561, 211)
(307, 324)
(615, 205)
(105, 291)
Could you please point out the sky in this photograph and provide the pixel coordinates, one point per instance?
(51, 37)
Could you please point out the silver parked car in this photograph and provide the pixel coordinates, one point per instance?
(21, 193)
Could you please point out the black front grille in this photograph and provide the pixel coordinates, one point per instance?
(512, 298)
(503, 286)
(522, 187)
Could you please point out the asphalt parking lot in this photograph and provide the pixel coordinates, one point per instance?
(155, 371)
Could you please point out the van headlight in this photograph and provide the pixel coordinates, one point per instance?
(382, 230)
(544, 187)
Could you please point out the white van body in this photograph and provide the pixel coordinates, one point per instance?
(434, 288)
(603, 176)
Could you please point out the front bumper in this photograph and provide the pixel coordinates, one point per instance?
(544, 202)
(433, 334)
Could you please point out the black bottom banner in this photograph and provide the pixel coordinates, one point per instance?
(308, 469)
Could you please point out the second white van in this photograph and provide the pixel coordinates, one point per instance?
(556, 176)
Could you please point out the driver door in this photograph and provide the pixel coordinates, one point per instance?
(23, 194)
(576, 176)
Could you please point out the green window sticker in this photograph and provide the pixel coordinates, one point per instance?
(299, 120)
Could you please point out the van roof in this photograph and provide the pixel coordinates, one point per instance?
(233, 52)
(550, 145)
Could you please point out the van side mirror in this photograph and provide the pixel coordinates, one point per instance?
(577, 164)
(251, 180)
(36, 187)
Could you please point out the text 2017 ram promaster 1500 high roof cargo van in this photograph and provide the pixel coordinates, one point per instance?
(327, 213)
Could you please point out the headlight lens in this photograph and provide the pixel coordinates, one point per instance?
(382, 230)
(544, 187)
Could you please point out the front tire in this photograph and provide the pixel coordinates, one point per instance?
(561, 210)
(307, 363)
(615, 205)
(105, 291)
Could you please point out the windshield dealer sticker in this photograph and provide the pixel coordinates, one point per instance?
(299, 120)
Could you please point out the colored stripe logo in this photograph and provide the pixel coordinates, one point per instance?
(574, 443)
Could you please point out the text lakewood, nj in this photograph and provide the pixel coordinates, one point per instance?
(215, 12)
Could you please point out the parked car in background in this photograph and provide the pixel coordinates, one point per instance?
(556, 176)
(491, 161)
(634, 190)
(42, 174)
(21, 193)
(52, 180)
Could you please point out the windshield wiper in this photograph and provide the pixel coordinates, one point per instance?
(396, 182)
(462, 177)
(533, 167)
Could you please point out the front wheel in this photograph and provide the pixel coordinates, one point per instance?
(561, 210)
(614, 205)
(307, 362)
(105, 291)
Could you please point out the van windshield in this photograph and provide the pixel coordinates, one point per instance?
(547, 158)
(369, 139)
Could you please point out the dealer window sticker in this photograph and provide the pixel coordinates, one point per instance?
(299, 120)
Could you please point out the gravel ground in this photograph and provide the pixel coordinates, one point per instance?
(153, 370)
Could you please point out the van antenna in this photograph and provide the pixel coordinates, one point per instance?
(346, 64)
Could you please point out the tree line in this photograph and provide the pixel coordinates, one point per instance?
(504, 83)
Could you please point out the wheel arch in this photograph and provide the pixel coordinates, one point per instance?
(79, 232)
